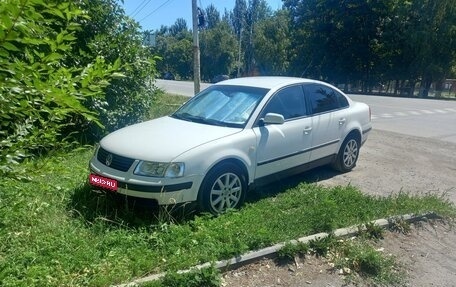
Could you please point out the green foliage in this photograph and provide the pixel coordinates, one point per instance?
(325, 41)
(290, 250)
(110, 33)
(371, 231)
(380, 40)
(41, 98)
(359, 256)
(273, 44)
(400, 225)
(175, 46)
(165, 104)
(67, 75)
(321, 247)
(322, 215)
(218, 51)
(208, 277)
(358, 44)
(429, 39)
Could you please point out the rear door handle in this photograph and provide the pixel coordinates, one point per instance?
(307, 130)
(342, 121)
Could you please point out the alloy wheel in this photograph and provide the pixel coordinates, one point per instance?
(226, 192)
(350, 153)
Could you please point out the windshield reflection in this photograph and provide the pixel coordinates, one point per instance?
(221, 105)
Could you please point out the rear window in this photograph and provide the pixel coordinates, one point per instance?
(324, 99)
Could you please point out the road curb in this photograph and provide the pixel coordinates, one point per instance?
(271, 251)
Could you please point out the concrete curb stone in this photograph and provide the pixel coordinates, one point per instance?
(271, 251)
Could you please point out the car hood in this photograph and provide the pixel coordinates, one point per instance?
(162, 139)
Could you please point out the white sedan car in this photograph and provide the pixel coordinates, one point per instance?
(233, 136)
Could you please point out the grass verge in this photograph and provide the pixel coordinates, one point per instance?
(55, 231)
(165, 104)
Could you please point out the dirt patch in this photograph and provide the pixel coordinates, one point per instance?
(389, 163)
(427, 254)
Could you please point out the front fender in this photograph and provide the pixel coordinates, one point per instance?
(240, 146)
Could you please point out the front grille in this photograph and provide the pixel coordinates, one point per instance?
(118, 162)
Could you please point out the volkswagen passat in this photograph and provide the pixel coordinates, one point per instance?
(231, 137)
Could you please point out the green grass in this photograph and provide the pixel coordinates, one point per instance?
(359, 258)
(54, 231)
(166, 104)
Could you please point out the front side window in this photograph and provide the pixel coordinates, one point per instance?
(289, 102)
(324, 99)
(221, 105)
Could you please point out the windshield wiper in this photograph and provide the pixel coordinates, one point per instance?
(183, 116)
(198, 119)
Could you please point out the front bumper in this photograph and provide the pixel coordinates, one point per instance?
(164, 190)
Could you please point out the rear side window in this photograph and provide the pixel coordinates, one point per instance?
(324, 99)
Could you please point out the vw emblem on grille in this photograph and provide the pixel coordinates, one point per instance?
(108, 160)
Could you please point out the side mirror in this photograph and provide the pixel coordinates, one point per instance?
(273, 118)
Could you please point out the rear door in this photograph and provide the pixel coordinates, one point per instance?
(329, 110)
(283, 146)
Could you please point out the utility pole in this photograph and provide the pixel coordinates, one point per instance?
(196, 50)
(239, 55)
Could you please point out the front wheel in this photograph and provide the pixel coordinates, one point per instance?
(223, 188)
(348, 155)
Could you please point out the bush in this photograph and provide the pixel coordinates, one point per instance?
(115, 36)
(69, 71)
(41, 98)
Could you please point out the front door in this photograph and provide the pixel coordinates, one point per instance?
(284, 146)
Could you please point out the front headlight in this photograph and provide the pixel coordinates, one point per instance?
(160, 169)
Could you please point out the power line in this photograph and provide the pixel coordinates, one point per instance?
(131, 15)
(143, 6)
(166, 2)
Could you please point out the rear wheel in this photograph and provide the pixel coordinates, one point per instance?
(348, 154)
(223, 188)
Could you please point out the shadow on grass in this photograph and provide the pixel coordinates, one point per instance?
(119, 210)
(311, 176)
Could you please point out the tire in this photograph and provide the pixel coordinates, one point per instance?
(223, 188)
(348, 154)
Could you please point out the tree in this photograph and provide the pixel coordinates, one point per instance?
(175, 47)
(431, 35)
(338, 41)
(257, 10)
(272, 44)
(179, 28)
(238, 17)
(213, 17)
(238, 22)
(218, 51)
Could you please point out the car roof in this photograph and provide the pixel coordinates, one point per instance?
(268, 82)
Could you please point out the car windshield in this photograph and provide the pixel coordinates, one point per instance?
(229, 106)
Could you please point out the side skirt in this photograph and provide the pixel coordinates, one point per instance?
(292, 171)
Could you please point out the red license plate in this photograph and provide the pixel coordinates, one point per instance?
(104, 182)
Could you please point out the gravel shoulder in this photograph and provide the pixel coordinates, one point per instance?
(389, 163)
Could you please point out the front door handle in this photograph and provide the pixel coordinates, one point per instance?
(307, 130)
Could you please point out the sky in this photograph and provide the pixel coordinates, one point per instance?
(152, 14)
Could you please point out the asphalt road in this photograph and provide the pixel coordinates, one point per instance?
(427, 118)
